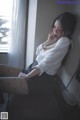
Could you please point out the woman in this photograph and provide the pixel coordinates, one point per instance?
(39, 75)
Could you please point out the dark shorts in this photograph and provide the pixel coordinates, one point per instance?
(30, 67)
(39, 84)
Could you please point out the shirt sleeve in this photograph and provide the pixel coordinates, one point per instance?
(55, 56)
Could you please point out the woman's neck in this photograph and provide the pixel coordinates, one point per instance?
(49, 44)
(51, 41)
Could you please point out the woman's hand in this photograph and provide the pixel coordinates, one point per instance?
(51, 39)
(51, 36)
(34, 72)
(23, 75)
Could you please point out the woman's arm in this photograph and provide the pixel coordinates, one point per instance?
(34, 72)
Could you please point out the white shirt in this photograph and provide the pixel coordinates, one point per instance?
(50, 60)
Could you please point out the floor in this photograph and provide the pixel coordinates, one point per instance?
(45, 106)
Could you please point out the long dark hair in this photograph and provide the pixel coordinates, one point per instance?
(68, 22)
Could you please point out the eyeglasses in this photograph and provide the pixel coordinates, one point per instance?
(59, 30)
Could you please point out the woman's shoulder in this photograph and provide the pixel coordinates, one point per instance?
(63, 40)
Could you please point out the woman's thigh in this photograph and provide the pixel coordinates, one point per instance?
(7, 71)
(34, 85)
(14, 85)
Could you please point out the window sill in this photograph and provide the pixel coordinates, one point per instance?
(3, 52)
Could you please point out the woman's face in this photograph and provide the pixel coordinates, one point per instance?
(57, 29)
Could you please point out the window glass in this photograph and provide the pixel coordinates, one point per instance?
(5, 24)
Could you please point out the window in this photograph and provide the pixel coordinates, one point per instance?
(5, 24)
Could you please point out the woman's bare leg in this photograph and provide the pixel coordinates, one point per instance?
(7, 71)
(14, 85)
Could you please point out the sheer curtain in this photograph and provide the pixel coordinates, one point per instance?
(16, 55)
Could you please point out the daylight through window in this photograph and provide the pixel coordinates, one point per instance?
(5, 24)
